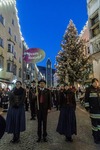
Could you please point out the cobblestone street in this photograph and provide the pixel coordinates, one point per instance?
(83, 140)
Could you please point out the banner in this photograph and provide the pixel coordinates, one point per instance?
(33, 55)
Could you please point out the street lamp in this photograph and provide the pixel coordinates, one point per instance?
(0, 69)
(14, 81)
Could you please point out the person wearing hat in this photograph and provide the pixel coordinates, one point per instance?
(32, 100)
(44, 108)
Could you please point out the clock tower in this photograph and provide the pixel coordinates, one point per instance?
(49, 73)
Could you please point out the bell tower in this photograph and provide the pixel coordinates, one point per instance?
(49, 73)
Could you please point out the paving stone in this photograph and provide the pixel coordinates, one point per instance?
(82, 141)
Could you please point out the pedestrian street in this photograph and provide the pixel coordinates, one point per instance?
(82, 141)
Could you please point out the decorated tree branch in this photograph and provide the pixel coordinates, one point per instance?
(71, 60)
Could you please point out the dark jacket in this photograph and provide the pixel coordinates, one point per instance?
(67, 97)
(46, 98)
(67, 118)
(2, 126)
(92, 99)
(32, 96)
(15, 120)
(17, 97)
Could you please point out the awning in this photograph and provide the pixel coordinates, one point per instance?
(5, 81)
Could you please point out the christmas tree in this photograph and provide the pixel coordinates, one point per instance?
(71, 60)
(61, 70)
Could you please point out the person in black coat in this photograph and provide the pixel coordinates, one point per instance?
(27, 98)
(55, 99)
(15, 121)
(67, 119)
(92, 104)
(2, 126)
(0, 97)
(32, 100)
(44, 108)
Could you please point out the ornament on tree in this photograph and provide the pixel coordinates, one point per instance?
(71, 59)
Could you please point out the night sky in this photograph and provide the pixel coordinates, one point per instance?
(43, 23)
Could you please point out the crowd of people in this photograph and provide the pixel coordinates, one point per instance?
(4, 98)
(39, 100)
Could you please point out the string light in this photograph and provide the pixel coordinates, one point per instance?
(7, 2)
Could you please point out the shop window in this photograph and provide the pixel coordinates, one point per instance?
(27, 77)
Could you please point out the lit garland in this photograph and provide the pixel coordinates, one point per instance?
(71, 59)
(6, 2)
(84, 28)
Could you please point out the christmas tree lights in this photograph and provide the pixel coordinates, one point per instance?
(71, 59)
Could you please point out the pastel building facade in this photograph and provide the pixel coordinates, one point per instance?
(11, 44)
(93, 7)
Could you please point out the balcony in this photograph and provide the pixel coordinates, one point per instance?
(93, 6)
(95, 31)
(88, 1)
(95, 46)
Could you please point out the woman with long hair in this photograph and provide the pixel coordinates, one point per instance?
(15, 121)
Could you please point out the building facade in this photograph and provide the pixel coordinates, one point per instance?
(85, 36)
(93, 7)
(11, 46)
